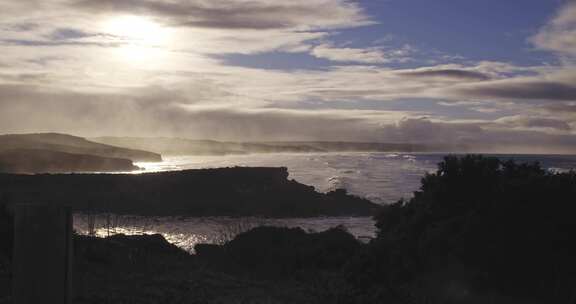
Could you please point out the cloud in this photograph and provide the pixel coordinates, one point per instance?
(368, 55)
(527, 122)
(448, 73)
(561, 107)
(559, 35)
(240, 15)
(25, 42)
(22, 27)
(423, 130)
(26, 78)
(209, 27)
(64, 70)
(162, 112)
(548, 123)
(68, 33)
(521, 89)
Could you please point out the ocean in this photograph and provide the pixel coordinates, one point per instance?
(381, 177)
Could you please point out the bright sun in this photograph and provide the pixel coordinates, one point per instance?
(142, 39)
(137, 29)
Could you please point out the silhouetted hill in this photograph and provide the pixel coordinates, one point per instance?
(44, 161)
(179, 146)
(335, 146)
(72, 144)
(225, 191)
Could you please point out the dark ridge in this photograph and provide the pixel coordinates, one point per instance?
(72, 144)
(43, 161)
(180, 146)
(207, 192)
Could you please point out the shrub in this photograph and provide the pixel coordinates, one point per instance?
(511, 225)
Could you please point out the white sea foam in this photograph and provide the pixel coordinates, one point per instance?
(381, 177)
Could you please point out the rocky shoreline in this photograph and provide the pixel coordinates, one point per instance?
(479, 231)
(238, 191)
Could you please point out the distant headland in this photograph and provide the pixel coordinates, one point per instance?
(59, 153)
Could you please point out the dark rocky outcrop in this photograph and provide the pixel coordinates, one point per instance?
(207, 192)
(44, 161)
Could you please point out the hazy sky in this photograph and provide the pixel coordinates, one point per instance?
(491, 72)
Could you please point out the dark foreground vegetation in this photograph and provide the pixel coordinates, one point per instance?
(207, 192)
(479, 231)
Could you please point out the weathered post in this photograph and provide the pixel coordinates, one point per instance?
(42, 259)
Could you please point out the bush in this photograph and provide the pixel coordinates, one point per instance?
(283, 252)
(6, 229)
(510, 226)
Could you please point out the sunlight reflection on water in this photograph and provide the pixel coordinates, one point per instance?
(381, 177)
(186, 232)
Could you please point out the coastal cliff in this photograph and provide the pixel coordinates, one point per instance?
(206, 192)
(55, 142)
(44, 161)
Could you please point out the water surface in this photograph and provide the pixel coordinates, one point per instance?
(381, 177)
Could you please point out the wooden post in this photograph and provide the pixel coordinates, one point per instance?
(42, 260)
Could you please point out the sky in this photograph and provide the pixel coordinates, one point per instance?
(491, 74)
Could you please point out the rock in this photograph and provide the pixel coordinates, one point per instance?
(239, 191)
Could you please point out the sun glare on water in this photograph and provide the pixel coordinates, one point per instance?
(141, 39)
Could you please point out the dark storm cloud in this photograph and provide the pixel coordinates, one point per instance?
(22, 27)
(560, 107)
(533, 90)
(68, 33)
(233, 14)
(449, 136)
(548, 123)
(448, 73)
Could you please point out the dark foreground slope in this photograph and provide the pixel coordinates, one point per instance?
(44, 161)
(478, 231)
(267, 265)
(225, 191)
(72, 144)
